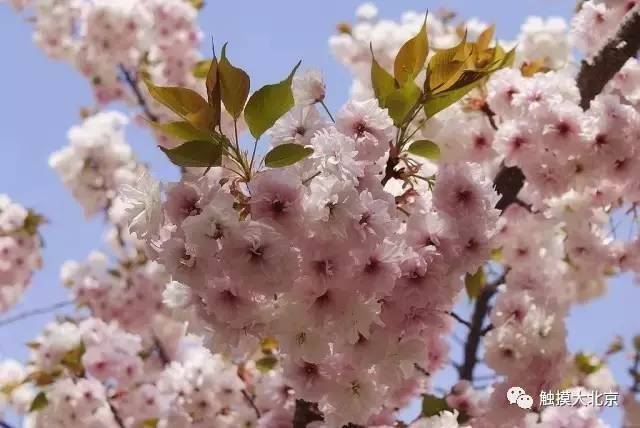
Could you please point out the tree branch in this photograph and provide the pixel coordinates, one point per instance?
(508, 184)
(477, 330)
(635, 374)
(33, 312)
(252, 403)
(162, 354)
(116, 415)
(3, 424)
(596, 72)
(459, 319)
(133, 84)
(306, 413)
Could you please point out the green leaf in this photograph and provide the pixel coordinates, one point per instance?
(73, 359)
(39, 402)
(181, 130)
(509, 59)
(383, 83)
(43, 378)
(426, 149)
(501, 60)
(286, 154)
(266, 364)
(268, 345)
(198, 153)
(214, 91)
(185, 102)
(443, 76)
(435, 103)
(150, 423)
(34, 345)
(8, 388)
(432, 405)
(485, 38)
(234, 84)
(474, 283)
(197, 4)
(268, 104)
(201, 69)
(587, 364)
(460, 52)
(32, 222)
(412, 55)
(401, 101)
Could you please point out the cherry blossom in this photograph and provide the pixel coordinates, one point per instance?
(20, 246)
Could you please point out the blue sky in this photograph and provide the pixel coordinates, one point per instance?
(41, 99)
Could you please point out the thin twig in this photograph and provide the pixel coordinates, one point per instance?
(34, 312)
(490, 115)
(487, 329)
(251, 402)
(422, 370)
(116, 416)
(133, 84)
(162, 354)
(328, 112)
(253, 154)
(459, 319)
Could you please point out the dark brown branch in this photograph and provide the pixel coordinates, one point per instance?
(422, 370)
(133, 84)
(508, 184)
(306, 413)
(162, 354)
(252, 403)
(635, 373)
(392, 162)
(490, 115)
(596, 72)
(487, 329)
(34, 312)
(476, 331)
(459, 319)
(116, 415)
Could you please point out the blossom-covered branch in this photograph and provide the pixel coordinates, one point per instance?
(598, 70)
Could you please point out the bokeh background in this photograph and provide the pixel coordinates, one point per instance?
(41, 99)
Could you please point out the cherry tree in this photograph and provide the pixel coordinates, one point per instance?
(306, 268)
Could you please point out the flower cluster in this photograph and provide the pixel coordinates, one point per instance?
(19, 250)
(94, 374)
(97, 161)
(106, 37)
(317, 255)
(325, 283)
(129, 293)
(13, 393)
(596, 22)
(354, 45)
(557, 243)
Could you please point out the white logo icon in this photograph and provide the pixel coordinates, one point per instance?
(525, 402)
(516, 395)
